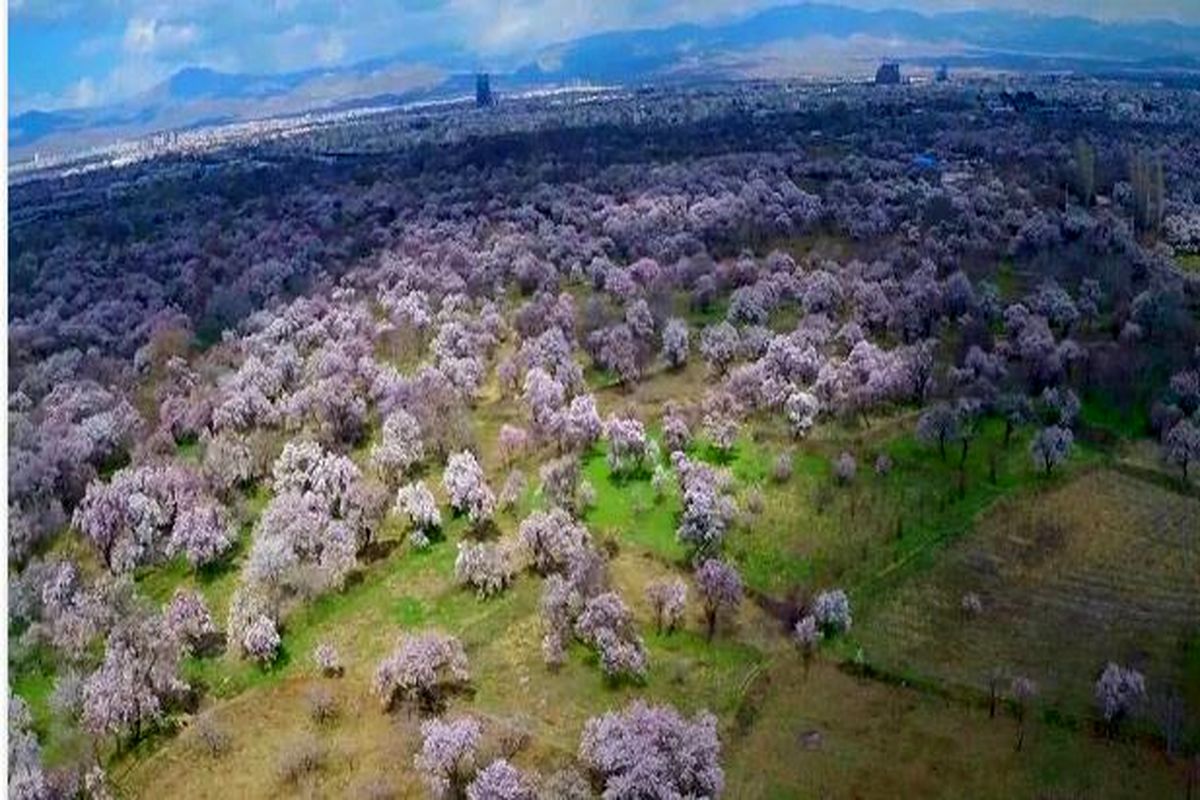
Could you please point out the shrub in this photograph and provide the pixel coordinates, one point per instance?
(300, 758)
(807, 633)
(261, 640)
(322, 705)
(781, 470)
(844, 468)
(1119, 692)
(668, 598)
(832, 611)
(585, 497)
(326, 657)
(211, 735)
(375, 787)
(188, 619)
(566, 784)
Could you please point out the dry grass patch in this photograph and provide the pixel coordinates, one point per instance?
(826, 734)
(1104, 568)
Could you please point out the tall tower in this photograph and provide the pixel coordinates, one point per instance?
(888, 74)
(483, 90)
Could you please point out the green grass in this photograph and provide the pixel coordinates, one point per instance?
(34, 681)
(698, 318)
(1100, 412)
(215, 582)
(626, 509)
(1008, 281)
(869, 534)
(375, 597)
(190, 451)
(32, 676)
(413, 590)
(1188, 262)
(819, 245)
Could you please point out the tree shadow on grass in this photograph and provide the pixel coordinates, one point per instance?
(482, 531)
(215, 570)
(712, 454)
(211, 645)
(379, 549)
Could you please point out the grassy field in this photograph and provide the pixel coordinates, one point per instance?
(1104, 568)
(886, 538)
(826, 734)
(750, 676)
(510, 685)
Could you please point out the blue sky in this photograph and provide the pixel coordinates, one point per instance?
(73, 53)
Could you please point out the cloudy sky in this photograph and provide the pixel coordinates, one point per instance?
(73, 53)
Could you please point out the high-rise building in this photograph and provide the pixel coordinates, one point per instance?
(888, 74)
(483, 90)
(942, 75)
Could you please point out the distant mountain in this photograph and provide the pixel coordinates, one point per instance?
(807, 39)
(893, 33)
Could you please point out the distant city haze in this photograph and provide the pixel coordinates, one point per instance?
(86, 73)
(70, 53)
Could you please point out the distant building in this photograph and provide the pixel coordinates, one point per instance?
(942, 75)
(1023, 100)
(888, 74)
(483, 90)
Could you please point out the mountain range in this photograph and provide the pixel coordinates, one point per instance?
(810, 39)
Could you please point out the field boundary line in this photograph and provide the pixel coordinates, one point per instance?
(939, 540)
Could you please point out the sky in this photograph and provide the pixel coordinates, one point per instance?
(80, 53)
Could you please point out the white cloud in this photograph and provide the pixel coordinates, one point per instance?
(145, 36)
(331, 49)
(520, 27)
(82, 94)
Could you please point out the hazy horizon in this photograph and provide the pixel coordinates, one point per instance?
(67, 54)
